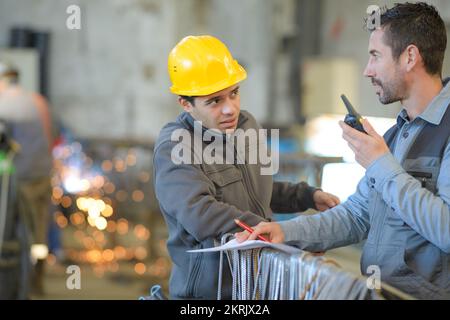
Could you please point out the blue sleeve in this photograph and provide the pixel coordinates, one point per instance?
(342, 225)
(425, 212)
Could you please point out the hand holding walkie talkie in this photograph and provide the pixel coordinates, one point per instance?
(353, 118)
(367, 147)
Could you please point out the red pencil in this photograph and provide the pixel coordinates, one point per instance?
(249, 229)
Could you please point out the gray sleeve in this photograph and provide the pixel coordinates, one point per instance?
(185, 193)
(426, 213)
(342, 225)
(290, 198)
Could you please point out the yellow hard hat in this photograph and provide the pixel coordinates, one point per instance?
(202, 65)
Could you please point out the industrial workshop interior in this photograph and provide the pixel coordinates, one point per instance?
(224, 150)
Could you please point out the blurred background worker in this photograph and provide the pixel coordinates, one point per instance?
(27, 118)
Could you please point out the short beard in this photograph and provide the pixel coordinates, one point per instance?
(388, 97)
(391, 91)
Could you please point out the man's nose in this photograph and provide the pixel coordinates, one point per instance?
(228, 107)
(368, 71)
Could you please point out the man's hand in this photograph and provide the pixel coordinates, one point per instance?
(272, 229)
(367, 147)
(324, 201)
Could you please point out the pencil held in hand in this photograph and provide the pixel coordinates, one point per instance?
(249, 229)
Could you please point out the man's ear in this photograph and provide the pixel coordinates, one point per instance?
(186, 105)
(412, 57)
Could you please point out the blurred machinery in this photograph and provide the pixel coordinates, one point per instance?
(15, 265)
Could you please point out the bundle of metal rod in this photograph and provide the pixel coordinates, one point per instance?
(269, 274)
(266, 274)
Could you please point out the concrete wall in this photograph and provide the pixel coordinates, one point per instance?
(246, 27)
(109, 79)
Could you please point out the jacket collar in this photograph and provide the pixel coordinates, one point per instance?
(435, 110)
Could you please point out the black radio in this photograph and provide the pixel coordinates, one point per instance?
(353, 118)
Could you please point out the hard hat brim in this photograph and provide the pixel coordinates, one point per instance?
(238, 76)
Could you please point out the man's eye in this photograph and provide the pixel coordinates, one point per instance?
(215, 101)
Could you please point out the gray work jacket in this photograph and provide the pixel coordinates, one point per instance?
(200, 201)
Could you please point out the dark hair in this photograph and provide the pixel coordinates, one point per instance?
(11, 76)
(191, 100)
(419, 24)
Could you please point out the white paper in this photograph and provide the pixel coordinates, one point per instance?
(250, 244)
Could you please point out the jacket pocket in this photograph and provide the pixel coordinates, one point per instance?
(415, 284)
(225, 176)
(394, 229)
(426, 179)
(194, 273)
(225, 182)
(392, 219)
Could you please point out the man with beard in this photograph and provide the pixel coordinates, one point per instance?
(402, 205)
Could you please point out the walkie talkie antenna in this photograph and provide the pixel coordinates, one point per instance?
(353, 118)
(349, 107)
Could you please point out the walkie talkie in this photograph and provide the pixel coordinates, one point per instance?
(353, 118)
